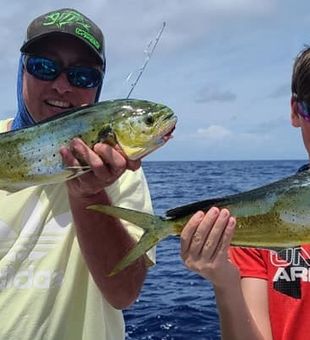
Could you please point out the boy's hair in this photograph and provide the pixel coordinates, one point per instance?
(301, 76)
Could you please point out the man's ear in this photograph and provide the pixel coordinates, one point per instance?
(295, 118)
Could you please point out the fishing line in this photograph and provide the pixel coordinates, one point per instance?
(149, 52)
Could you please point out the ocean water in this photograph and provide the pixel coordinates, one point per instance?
(176, 303)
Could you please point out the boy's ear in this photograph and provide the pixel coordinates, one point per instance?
(295, 118)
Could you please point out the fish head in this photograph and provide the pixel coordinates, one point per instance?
(142, 127)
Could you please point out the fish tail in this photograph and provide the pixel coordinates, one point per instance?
(155, 229)
(140, 219)
(145, 243)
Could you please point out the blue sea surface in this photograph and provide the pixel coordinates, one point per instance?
(176, 303)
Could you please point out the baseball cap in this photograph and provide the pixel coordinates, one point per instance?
(66, 21)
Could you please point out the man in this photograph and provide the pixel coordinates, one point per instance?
(261, 294)
(55, 254)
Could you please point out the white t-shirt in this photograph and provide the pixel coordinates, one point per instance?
(46, 290)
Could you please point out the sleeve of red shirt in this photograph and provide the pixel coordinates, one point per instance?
(250, 261)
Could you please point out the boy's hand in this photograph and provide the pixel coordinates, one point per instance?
(204, 246)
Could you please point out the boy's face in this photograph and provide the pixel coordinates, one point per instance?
(298, 121)
(46, 98)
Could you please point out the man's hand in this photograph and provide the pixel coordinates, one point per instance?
(107, 164)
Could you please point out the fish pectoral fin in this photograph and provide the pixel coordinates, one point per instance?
(138, 218)
(12, 189)
(77, 170)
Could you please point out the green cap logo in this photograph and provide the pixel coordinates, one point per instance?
(69, 17)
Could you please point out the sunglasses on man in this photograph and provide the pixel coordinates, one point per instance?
(47, 69)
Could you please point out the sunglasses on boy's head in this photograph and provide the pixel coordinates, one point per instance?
(304, 110)
(47, 69)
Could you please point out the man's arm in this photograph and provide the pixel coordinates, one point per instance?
(103, 240)
(242, 303)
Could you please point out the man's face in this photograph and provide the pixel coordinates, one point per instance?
(45, 99)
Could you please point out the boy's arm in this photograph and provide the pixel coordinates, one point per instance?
(243, 309)
(242, 303)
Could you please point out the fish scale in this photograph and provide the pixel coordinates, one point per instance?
(30, 156)
(274, 216)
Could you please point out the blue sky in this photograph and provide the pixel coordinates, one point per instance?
(223, 66)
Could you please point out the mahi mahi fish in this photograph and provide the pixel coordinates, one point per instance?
(274, 216)
(30, 156)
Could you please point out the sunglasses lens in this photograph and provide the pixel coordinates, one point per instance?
(304, 110)
(42, 68)
(86, 77)
(46, 69)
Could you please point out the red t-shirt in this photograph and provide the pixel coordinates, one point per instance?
(288, 276)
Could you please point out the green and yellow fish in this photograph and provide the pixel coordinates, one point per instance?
(31, 156)
(274, 216)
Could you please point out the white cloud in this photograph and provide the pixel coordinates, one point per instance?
(214, 133)
(218, 133)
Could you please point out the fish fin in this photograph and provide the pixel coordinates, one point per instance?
(107, 136)
(276, 249)
(77, 170)
(156, 228)
(191, 208)
(147, 241)
(11, 188)
(140, 219)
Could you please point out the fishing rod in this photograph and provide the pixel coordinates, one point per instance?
(149, 52)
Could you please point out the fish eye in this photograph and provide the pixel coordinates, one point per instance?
(149, 119)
